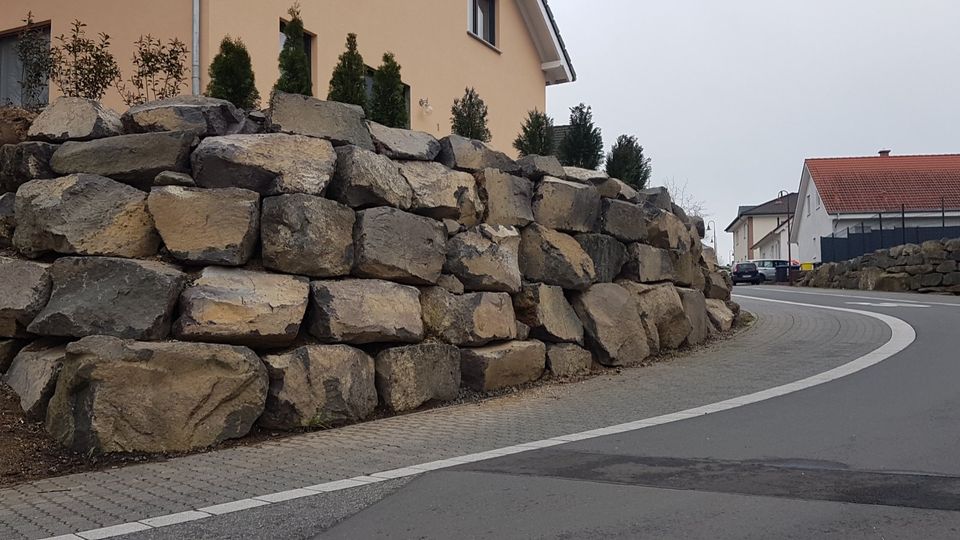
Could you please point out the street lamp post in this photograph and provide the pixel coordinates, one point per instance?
(712, 225)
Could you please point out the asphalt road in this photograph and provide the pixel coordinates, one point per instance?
(875, 454)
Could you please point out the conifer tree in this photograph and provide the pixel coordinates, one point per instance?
(583, 144)
(469, 116)
(389, 105)
(626, 162)
(348, 83)
(231, 75)
(294, 64)
(536, 135)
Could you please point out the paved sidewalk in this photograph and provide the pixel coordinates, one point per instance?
(783, 346)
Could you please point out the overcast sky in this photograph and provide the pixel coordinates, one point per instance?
(731, 96)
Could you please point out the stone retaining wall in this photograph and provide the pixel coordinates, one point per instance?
(928, 268)
(174, 275)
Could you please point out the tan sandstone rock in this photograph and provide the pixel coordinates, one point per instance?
(307, 235)
(405, 144)
(75, 119)
(410, 376)
(568, 360)
(486, 258)
(33, 375)
(545, 309)
(365, 311)
(470, 319)
(398, 246)
(340, 123)
(364, 179)
(508, 199)
(612, 324)
(567, 206)
(442, 193)
(554, 258)
(500, 366)
(24, 290)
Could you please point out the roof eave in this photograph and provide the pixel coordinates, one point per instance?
(555, 60)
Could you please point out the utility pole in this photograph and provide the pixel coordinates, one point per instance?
(785, 193)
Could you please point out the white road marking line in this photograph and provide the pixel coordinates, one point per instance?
(901, 336)
(886, 304)
(288, 495)
(175, 519)
(812, 293)
(113, 531)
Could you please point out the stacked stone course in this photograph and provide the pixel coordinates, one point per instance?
(173, 276)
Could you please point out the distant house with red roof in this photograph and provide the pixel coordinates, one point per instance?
(841, 194)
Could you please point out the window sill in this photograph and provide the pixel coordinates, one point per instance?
(485, 42)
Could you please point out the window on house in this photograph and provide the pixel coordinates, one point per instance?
(808, 205)
(368, 80)
(307, 44)
(482, 19)
(818, 201)
(11, 72)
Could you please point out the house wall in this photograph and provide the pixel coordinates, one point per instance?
(812, 221)
(429, 38)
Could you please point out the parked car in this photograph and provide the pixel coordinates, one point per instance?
(746, 272)
(768, 268)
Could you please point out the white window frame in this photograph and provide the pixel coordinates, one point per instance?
(475, 20)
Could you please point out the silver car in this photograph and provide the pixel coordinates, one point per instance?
(768, 268)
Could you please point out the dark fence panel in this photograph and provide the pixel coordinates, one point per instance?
(836, 249)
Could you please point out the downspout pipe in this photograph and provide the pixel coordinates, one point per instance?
(196, 48)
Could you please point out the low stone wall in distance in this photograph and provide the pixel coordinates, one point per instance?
(175, 275)
(932, 267)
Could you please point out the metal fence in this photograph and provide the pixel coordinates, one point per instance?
(856, 241)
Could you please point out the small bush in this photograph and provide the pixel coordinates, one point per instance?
(626, 162)
(583, 144)
(389, 104)
(536, 135)
(33, 51)
(231, 75)
(348, 84)
(83, 67)
(294, 65)
(160, 71)
(469, 116)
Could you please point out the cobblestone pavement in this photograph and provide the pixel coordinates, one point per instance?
(784, 345)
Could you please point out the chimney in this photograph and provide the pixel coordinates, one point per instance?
(885, 153)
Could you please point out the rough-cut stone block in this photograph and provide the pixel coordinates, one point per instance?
(567, 206)
(410, 376)
(33, 375)
(584, 176)
(24, 290)
(464, 154)
(695, 309)
(612, 323)
(268, 163)
(84, 214)
(717, 286)
(229, 305)
(719, 314)
(623, 220)
(486, 258)
(8, 351)
(469, 319)
(115, 395)
(656, 197)
(554, 258)
(339, 123)
(319, 386)
(20, 163)
(365, 311)
(364, 179)
(508, 199)
(202, 115)
(404, 144)
(618, 189)
(131, 159)
(667, 231)
(951, 279)
(606, 252)
(523, 331)
(451, 283)
(207, 226)
(8, 219)
(109, 296)
(568, 360)
(536, 167)
(307, 235)
(173, 178)
(661, 306)
(504, 365)
(442, 193)
(648, 264)
(75, 119)
(399, 246)
(545, 309)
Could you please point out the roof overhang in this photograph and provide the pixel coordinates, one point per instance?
(554, 59)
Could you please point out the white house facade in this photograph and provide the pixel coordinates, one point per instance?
(755, 223)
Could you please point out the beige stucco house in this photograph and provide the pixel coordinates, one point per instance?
(753, 230)
(509, 50)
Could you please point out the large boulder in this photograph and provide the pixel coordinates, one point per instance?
(612, 188)
(695, 310)
(567, 206)
(442, 193)
(717, 286)
(207, 226)
(410, 376)
(554, 258)
(230, 305)
(545, 309)
(398, 246)
(623, 220)
(339, 123)
(896, 282)
(33, 375)
(116, 395)
(404, 144)
(504, 365)
(607, 253)
(720, 316)
(24, 290)
(667, 231)
(8, 219)
(536, 167)
(307, 235)
(268, 163)
(319, 386)
(20, 163)
(84, 214)
(14, 124)
(486, 258)
(131, 159)
(584, 176)
(109, 296)
(75, 119)
(613, 326)
(366, 179)
(202, 115)
(508, 199)
(365, 311)
(464, 154)
(656, 197)
(568, 360)
(648, 264)
(173, 178)
(468, 320)
(661, 306)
